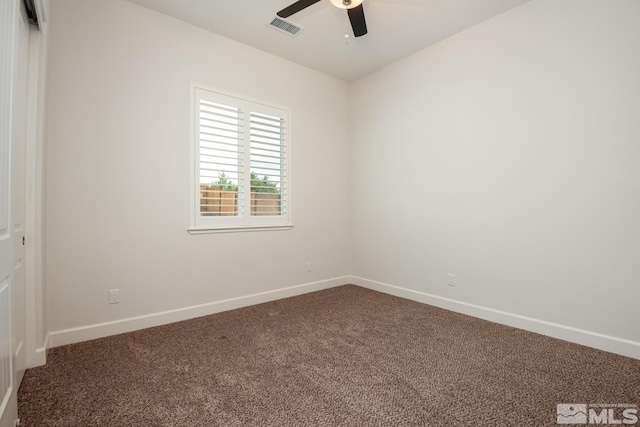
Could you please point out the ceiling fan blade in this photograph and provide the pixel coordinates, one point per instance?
(296, 7)
(359, 25)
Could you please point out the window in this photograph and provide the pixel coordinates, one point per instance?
(240, 164)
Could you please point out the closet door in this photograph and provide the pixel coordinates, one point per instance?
(14, 57)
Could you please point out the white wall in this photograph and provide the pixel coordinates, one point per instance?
(509, 156)
(118, 169)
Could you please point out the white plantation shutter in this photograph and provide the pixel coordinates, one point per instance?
(220, 142)
(241, 176)
(268, 165)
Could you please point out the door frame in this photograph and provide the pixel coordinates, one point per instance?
(37, 337)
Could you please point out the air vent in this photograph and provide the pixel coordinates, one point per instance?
(285, 26)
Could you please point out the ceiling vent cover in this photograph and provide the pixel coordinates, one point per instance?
(285, 26)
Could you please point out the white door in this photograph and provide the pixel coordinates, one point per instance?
(7, 66)
(14, 48)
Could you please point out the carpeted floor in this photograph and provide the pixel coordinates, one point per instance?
(346, 356)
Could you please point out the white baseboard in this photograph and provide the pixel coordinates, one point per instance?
(100, 330)
(579, 336)
(40, 355)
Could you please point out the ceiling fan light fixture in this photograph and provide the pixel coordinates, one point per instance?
(346, 4)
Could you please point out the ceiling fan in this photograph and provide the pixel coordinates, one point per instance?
(354, 10)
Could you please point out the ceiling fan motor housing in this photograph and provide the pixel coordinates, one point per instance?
(346, 4)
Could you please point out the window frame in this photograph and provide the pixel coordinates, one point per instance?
(199, 224)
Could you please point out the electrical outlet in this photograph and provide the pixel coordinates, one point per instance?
(114, 296)
(450, 278)
(309, 266)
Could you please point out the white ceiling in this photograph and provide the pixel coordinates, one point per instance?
(397, 28)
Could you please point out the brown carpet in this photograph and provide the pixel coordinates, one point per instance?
(346, 356)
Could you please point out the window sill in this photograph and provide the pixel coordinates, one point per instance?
(239, 229)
